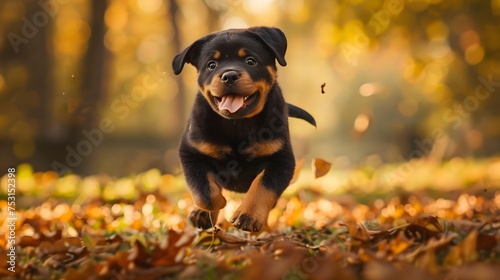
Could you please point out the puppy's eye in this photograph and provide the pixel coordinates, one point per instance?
(211, 65)
(251, 61)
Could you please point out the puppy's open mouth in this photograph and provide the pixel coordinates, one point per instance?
(233, 102)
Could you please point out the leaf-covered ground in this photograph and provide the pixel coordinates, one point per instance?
(418, 220)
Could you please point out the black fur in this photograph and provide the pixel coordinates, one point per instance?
(296, 112)
(236, 147)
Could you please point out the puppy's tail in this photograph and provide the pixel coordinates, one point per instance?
(296, 112)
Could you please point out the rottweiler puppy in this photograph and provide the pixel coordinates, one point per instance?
(237, 136)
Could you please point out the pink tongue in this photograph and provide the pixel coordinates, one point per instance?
(232, 103)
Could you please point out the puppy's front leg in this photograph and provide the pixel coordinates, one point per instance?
(253, 211)
(206, 193)
(263, 194)
(208, 198)
(200, 218)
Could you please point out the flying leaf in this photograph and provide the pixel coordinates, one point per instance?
(320, 167)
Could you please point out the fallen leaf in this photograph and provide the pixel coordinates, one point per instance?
(356, 231)
(428, 262)
(464, 252)
(171, 254)
(207, 239)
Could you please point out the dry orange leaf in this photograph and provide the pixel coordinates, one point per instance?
(399, 244)
(428, 262)
(430, 223)
(174, 251)
(320, 167)
(465, 252)
(357, 231)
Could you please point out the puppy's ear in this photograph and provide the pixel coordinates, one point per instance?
(274, 38)
(190, 54)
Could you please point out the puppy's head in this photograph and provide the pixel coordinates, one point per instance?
(236, 68)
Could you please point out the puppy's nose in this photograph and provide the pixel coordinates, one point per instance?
(230, 77)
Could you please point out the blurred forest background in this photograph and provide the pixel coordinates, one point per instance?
(87, 86)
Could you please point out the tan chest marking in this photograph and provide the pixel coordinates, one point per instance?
(263, 148)
(211, 150)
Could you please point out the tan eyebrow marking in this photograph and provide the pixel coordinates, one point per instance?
(216, 54)
(242, 52)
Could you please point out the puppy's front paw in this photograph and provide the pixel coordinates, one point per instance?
(203, 219)
(247, 221)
